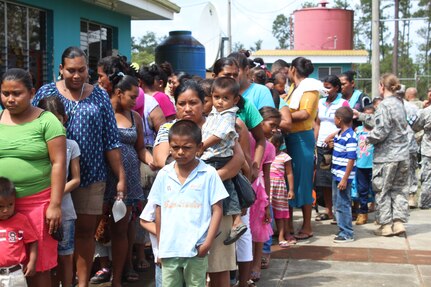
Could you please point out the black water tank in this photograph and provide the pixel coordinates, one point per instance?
(184, 52)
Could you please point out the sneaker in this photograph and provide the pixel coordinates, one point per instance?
(101, 276)
(342, 239)
(235, 234)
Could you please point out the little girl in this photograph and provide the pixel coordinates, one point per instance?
(73, 175)
(281, 167)
(260, 217)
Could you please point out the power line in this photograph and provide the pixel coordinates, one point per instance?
(264, 12)
(251, 19)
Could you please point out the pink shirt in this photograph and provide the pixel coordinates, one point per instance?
(140, 101)
(165, 104)
(277, 166)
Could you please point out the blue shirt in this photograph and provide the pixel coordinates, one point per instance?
(365, 150)
(259, 95)
(345, 146)
(91, 123)
(185, 208)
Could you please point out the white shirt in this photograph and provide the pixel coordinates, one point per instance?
(186, 209)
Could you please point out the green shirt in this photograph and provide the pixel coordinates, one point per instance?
(24, 157)
(249, 115)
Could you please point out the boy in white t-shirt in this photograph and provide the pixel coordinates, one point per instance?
(187, 194)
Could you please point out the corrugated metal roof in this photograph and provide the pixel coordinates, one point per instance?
(310, 53)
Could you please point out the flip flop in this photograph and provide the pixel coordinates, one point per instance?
(303, 236)
(291, 239)
(322, 217)
(142, 265)
(255, 276)
(284, 244)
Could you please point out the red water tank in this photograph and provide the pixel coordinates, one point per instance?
(322, 28)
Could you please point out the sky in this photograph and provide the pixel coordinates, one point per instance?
(251, 20)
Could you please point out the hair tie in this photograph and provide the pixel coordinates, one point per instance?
(120, 74)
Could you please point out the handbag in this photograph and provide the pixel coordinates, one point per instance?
(244, 190)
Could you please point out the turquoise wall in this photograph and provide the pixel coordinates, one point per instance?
(65, 30)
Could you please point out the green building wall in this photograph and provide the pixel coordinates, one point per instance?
(63, 29)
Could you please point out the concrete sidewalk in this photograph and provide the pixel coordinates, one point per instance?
(368, 261)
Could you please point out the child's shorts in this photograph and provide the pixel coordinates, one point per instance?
(15, 279)
(67, 245)
(231, 204)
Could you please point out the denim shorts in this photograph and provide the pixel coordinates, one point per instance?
(67, 245)
(231, 204)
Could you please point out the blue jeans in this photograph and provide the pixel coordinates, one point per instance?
(342, 201)
(363, 184)
(158, 276)
(268, 243)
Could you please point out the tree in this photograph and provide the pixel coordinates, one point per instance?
(237, 46)
(257, 45)
(309, 5)
(143, 49)
(342, 4)
(281, 31)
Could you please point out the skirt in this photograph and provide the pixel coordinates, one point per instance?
(279, 201)
(300, 146)
(34, 207)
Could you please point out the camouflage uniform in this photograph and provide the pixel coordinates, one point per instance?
(412, 110)
(423, 122)
(391, 159)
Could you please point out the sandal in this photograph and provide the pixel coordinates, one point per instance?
(283, 244)
(255, 276)
(322, 217)
(142, 265)
(291, 239)
(303, 236)
(264, 262)
(131, 276)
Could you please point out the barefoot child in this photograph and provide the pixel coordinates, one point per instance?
(67, 243)
(219, 137)
(281, 168)
(187, 194)
(16, 234)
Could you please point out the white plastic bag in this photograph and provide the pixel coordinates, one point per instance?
(119, 210)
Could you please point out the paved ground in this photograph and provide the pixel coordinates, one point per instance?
(368, 261)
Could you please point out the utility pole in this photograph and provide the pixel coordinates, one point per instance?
(229, 26)
(375, 59)
(396, 32)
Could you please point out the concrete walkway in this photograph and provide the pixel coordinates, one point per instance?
(403, 261)
(368, 261)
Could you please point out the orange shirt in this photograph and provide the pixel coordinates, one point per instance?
(309, 102)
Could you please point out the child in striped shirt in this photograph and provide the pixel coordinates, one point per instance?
(343, 172)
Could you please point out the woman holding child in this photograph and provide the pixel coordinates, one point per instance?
(33, 157)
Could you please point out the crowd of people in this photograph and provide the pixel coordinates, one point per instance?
(198, 168)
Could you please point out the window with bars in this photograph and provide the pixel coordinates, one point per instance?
(23, 40)
(96, 42)
(323, 72)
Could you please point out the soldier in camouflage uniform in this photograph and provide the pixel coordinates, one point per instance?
(423, 122)
(412, 110)
(391, 158)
